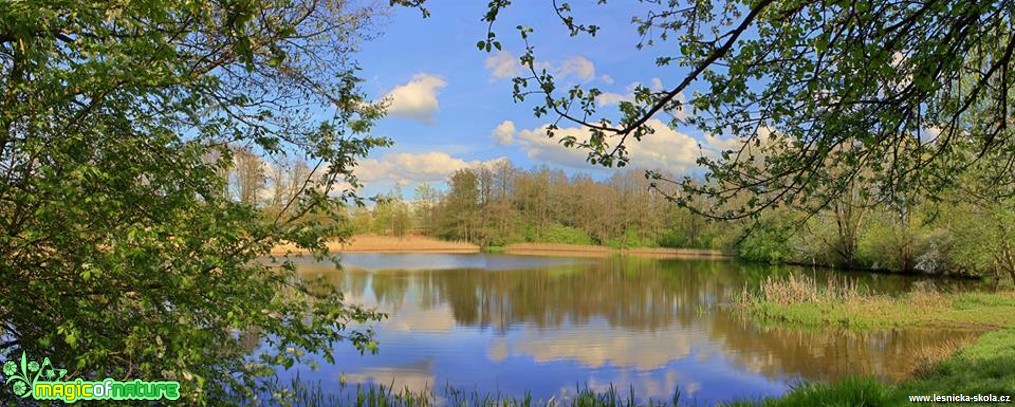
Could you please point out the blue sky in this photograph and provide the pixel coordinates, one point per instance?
(451, 104)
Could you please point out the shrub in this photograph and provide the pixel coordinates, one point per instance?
(766, 243)
(558, 233)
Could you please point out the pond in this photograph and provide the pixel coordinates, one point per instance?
(545, 326)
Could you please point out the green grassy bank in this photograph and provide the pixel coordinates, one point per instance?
(984, 366)
(801, 301)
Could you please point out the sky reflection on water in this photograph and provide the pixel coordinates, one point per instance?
(515, 324)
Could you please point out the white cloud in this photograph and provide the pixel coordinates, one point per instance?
(665, 149)
(540, 147)
(417, 99)
(408, 168)
(607, 79)
(684, 107)
(717, 145)
(503, 65)
(504, 132)
(656, 84)
(614, 98)
(579, 66)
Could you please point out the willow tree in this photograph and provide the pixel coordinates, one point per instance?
(898, 96)
(120, 255)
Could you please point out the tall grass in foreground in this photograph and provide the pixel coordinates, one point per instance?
(854, 391)
(302, 394)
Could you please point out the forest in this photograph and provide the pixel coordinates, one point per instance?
(957, 233)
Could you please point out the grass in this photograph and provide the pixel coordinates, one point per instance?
(983, 366)
(855, 391)
(802, 301)
(805, 289)
(302, 394)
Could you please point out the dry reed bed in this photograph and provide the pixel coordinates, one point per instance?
(804, 289)
(839, 302)
(387, 244)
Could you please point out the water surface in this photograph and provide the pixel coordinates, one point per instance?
(540, 325)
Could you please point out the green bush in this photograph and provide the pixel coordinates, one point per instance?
(766, 243)
(631, 238)
(558, 233)
(678, 239)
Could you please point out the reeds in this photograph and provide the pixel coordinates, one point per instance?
(798, 289)
(302, 394)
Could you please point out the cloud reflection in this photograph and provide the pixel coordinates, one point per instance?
(596, 348)
(629, 321)
(417, 376)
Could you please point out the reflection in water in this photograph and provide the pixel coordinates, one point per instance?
(831, 354)
(597, 348)
(546, 325)
(416, 375)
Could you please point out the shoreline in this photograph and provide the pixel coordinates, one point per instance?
(368, 243)
(558, 249)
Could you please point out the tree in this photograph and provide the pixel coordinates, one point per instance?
(983, 233)
(532, 196)
(248, 174)
(362, 219)
(500, 215)
(903, 94)
(460, 210)
(426, 199)
(391, 215)
(119, 254)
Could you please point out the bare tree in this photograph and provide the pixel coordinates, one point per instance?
(247, 175)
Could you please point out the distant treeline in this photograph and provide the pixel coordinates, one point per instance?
(500, 204)
(958, 232)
